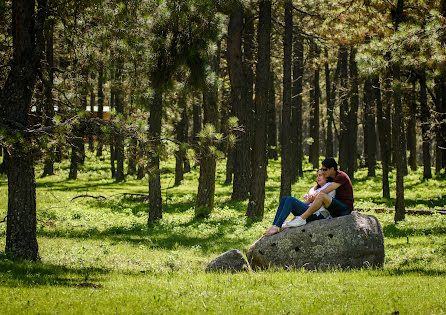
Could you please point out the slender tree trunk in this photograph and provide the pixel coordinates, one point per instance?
(343, 110)
(257, 195)
(76, 153)
(271, 121)
(248, 64)
(440, 125)
(48, 168)
(315, 95)
(15, 103)
(352, 149)
(411, 129)
(206, 181)
(369, 126)
(119, 141)
(100, 107)
(131, 168)
(155, 119)
(180, 154)
(141, 169)
(287, 141)
(400, 211)
(197, 121)
(383, 119)
(425, 126)
(239, 108)
(296, 103)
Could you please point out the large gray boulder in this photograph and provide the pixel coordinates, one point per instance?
(352, 241)
(231, 260)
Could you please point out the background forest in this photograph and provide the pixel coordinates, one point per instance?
(163, 126)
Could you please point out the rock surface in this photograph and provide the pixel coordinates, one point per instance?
(352, 241)
(231, 260)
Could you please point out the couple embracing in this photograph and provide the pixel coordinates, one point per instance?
(332, 196)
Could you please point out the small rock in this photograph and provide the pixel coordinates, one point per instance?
(231, 260)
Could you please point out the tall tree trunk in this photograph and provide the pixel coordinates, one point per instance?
(383, 120)
(92, 105)
(206, 181)
(100, 107)
(257, 192)
(131, 168)
(248, 64)
(76, 154)
(180, 154)
(369, 126)
(425, 126)
(197, 121)
(296, 103)
(271, 121)
(48, 168)
(440, 125)
(400, 211)
(15, 103)
(155, 119)
(286, 143)
(411, 128)
(343, 109)
(119, 141)
(315, 95)
(235, 68)
(352, 150)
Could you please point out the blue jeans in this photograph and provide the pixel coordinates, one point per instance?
(292, 205)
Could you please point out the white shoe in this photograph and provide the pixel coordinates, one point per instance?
(297, 221)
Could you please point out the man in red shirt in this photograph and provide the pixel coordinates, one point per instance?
(341, 205)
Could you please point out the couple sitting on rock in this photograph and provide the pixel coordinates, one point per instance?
(320, 202)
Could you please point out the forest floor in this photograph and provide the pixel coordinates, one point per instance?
(99, 256)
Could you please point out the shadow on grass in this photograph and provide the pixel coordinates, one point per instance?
(410, 203)
(414, 271)
(394, 231)
(15, 272)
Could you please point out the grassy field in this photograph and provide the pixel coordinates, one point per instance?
(99, 256)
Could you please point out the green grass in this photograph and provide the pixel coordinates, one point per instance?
(99, 256)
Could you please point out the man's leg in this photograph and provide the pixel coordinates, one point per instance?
(321, 199)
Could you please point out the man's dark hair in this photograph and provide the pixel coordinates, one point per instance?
(329, 163)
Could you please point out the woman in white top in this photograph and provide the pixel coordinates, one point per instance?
(292, 205)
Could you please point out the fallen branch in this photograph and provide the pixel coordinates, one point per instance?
(89, 196)
(408, 211)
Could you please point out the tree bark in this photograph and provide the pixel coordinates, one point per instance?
(15, 103)
(343, 109)
(383, 120)
(48, 168)
(240, 110)
(257, 192)
(119, 141)
(100, 107)
(369, 127)
(180, 154)
(271, 123)
(206, 181)
(425, 126)
(352, 149)
(286, 143)
(400, 211)
(248, 64)
(315, 95)
(296, 103)
(155, 119)
(411, 128)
